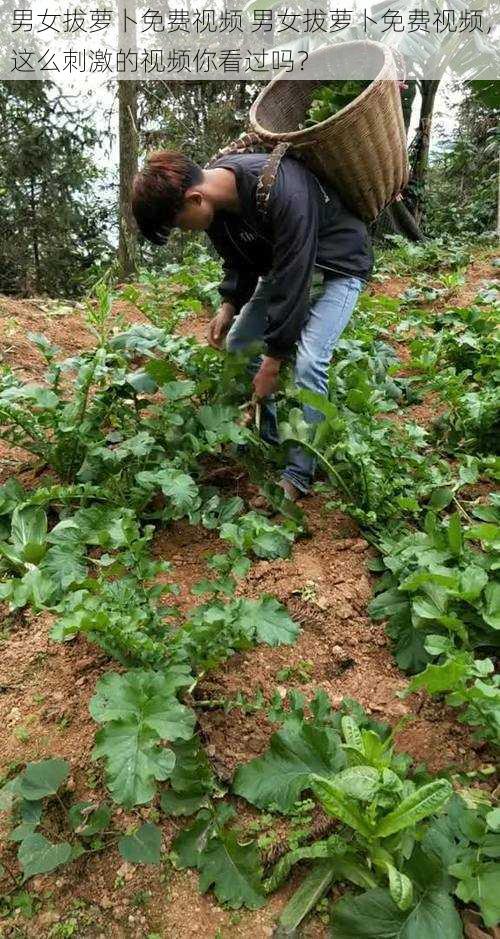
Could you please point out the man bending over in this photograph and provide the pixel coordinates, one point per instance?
(268, 268)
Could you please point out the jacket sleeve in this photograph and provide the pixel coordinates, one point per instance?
(293, 216)
(237, 285)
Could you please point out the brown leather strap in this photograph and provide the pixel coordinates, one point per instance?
(268, 177)
(251, 143)
(245, 143)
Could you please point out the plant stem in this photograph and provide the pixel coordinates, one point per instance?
(322, 459)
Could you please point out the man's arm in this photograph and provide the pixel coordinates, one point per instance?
(235, 290)
(237, 285)
(293, 212)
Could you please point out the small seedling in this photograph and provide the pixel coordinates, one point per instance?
(301, 672)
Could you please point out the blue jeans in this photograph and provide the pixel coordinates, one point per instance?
(328, 317)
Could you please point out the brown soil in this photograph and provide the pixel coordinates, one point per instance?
(45, 689)
(195, 326)
(478, 273)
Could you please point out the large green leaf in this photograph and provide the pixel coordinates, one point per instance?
(438, 678)
(332, 847)
(305, 898)
(143, 846)
(297, 751)
(359, 782)
(179, 488)
(408, 643)
(352, 733)
(177, 390)
(11, 494)
(160, 370)
(9, 794)
(29, 523)
(29, 532)
(140, 339)
(21, 831)
(472, 581)
(190, 844)
(64, 567)
(191, 781)
(42, 779)
(41, 397)
(455, 539)
(374, 915)
(267, 621)
(139, 710)
(233, 870)
(480, 886)
(134, 761)
(400, 887)
(491, 612)
(254, 532)
(36, 855)
(220, 424)
(146, 697)
(183, 803)
(493, 820)
(387, 603)
(104, 525)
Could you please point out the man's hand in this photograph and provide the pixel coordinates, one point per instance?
(266, 379)
(219, 325)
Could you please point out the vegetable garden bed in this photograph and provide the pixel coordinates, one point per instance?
(295, 619)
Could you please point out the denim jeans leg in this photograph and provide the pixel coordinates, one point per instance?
(249, 328)
(328, 318)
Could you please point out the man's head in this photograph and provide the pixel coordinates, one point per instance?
(169, 193)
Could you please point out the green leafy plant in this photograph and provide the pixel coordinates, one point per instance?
(232, 869)
(367, 788)
(437, 580)
(253, 532)
(35, 799)
(466, 841)
(134, 426)
(139, 710)
(468, 683)
(331, 98)
(386, 839)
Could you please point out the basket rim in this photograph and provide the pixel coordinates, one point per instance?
(307, 134)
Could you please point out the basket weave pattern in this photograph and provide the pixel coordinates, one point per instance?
(361, 150)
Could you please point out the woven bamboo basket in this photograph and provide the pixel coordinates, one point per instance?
(361, 150)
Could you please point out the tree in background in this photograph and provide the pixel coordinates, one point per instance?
(128, 165)
(53, 221)
(421, 146)
(461, 187)
(196, 117)
(128, 142)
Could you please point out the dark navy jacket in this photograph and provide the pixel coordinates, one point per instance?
(307, 226)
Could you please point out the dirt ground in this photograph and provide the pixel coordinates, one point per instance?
(45, 687)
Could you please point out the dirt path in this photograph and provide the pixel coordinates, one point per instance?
(45, 689)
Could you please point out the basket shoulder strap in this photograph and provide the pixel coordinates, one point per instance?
(267, 178)
(245, 143)
(251, 143)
